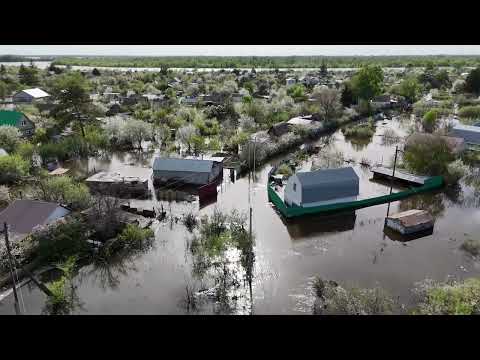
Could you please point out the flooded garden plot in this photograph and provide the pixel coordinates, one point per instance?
(351, 249)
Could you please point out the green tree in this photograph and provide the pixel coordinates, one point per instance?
(348, 97)
(430, 121)
(12, 168)
(367, 82)
(72, 92)
(409, 88)
(9, 138)
(3, 90)
(64, 190)
(297, 92)
(28, 75)
(472, 82)
(429, 156)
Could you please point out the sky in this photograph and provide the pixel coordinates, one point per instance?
(239, 50)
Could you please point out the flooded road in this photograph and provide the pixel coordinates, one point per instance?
(351, 249)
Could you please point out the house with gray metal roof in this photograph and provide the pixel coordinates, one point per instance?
(471, 134)
(185, 171)
(322, 187)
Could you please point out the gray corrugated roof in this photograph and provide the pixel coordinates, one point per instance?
(325, 176)
(23, 215)
(471, 134)
(191, 165)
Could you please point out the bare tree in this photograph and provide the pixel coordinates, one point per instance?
(329, 102)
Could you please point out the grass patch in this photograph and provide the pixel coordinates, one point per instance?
(332, 299)
(450, 298)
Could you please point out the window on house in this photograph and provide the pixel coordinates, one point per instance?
(294, 187)
(24, 123)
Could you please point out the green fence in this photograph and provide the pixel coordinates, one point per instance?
(430, 184)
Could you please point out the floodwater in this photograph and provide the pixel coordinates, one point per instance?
(351, 249)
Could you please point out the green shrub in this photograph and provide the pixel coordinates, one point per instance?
(472, 246)
(284, 169)
(64, 190)
(12, 168)
(56, 244)
(429, 156)
(453, 298)
(469, 112)
(333, 299)
(9, 138)
(363, 131)
(134, 237)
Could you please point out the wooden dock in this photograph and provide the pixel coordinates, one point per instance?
(382, 172)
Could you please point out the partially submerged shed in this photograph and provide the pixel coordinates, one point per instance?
(410, 221)
(185, 171)
(127, 181)
(322, 187)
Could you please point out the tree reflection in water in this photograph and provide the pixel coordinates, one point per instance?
(432, 202)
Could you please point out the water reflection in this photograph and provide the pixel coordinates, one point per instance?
(311, 226)
(432, 202)
(396, 236)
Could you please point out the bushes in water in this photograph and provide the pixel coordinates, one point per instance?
(449, 298)
(469, 112)
(64, 190)
(57, 243)
(472, 246)
(365, 130)
(13, 168)
(332, 299)
(67, 148)
(286, 170)
(63, 299)
(428, 156)
(131, 239)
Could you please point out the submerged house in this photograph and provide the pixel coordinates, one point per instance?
(25, 216)
(127, 181)
(18, 120)
(322, 187)
(29, 95)
(186, 171)
(471, 134)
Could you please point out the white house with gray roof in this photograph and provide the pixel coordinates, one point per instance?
(185, 171)
(322, 187)
(29, 95)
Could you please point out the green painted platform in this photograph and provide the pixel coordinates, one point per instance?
(430, 184)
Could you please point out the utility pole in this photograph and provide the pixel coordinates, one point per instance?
(391, 179)
(12, 269)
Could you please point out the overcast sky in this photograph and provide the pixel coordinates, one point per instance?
(239, 50)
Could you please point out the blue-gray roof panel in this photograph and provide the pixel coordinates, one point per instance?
(190, 165)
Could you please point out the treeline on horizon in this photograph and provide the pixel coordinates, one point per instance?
(270, 61)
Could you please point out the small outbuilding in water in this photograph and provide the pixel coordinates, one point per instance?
(410, 221)
(133, 182)
(186, 171)
(322, 187)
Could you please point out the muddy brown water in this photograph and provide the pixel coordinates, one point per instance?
(351, 249)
